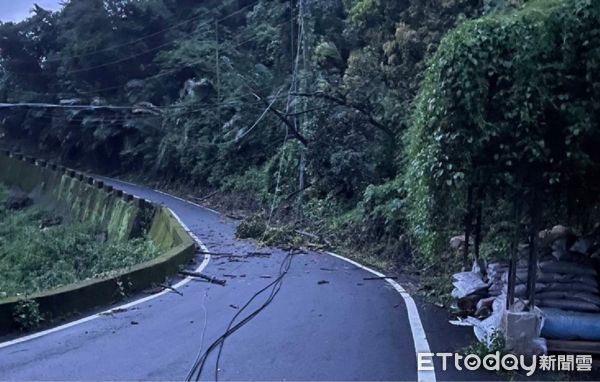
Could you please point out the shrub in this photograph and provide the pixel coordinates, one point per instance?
(253, 227)
(27, 314)
(510, 103)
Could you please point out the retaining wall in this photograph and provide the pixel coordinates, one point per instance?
(122, 215)
(82, 197)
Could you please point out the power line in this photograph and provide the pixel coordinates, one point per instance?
(153, 49)
(230, 102)
(164, 73)
(259, 118)
(58, 106)
(138, 39)
(275, 286)
(293, 88)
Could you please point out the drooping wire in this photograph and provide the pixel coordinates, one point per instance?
(293, 88)
(275, 286)
(155, 76)
(114, 47)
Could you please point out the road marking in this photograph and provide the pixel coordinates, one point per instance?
(416, 326)
(183, 282)
(414, 319)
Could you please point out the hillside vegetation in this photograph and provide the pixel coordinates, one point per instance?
(380, 125)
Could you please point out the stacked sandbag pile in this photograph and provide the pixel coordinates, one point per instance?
(566, 290)
(567, 277)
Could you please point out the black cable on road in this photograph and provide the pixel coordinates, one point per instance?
(275, 286)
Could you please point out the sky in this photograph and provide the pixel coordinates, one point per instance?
(17, 10)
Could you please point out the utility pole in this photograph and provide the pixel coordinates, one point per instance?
(218, 71)
(303, 86)
(292, 32)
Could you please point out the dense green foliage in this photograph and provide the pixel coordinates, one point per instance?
(358, 67)
(511, 104)
(341, 115)
(34, 259)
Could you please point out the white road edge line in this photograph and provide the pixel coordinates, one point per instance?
(416, 327)
(183, 282)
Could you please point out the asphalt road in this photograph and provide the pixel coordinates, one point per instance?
(346, 328)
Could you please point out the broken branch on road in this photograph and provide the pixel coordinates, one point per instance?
(210, 279)
(170, 288)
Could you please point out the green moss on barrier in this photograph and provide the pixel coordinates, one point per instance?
(119, 217)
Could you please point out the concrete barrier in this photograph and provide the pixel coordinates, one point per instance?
(84, 198)
(122, 215)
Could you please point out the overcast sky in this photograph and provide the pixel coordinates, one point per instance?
(17, 10)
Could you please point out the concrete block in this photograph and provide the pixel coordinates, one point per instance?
(521, 329)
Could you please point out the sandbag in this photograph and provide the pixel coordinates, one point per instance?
(466, 283)
(545, 277)
(521, 289)
(568, 287)
(577, 296)
(564, 325)
(583, 245)
(567, 268)
(576, 305)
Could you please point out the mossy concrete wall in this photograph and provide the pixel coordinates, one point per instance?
(81, 197)
(91, 200)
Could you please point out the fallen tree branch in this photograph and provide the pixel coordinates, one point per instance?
(344, 102)
(212, 280)
(204, 197)
(215, 254)
(307, 186)
(381, 278)
(295, 133)
(170, 288)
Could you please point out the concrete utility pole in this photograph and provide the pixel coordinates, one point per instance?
(218, 71)
(303, 86)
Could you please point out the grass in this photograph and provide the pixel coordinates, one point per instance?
(34, 259)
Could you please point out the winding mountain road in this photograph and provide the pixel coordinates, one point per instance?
(346, 328)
